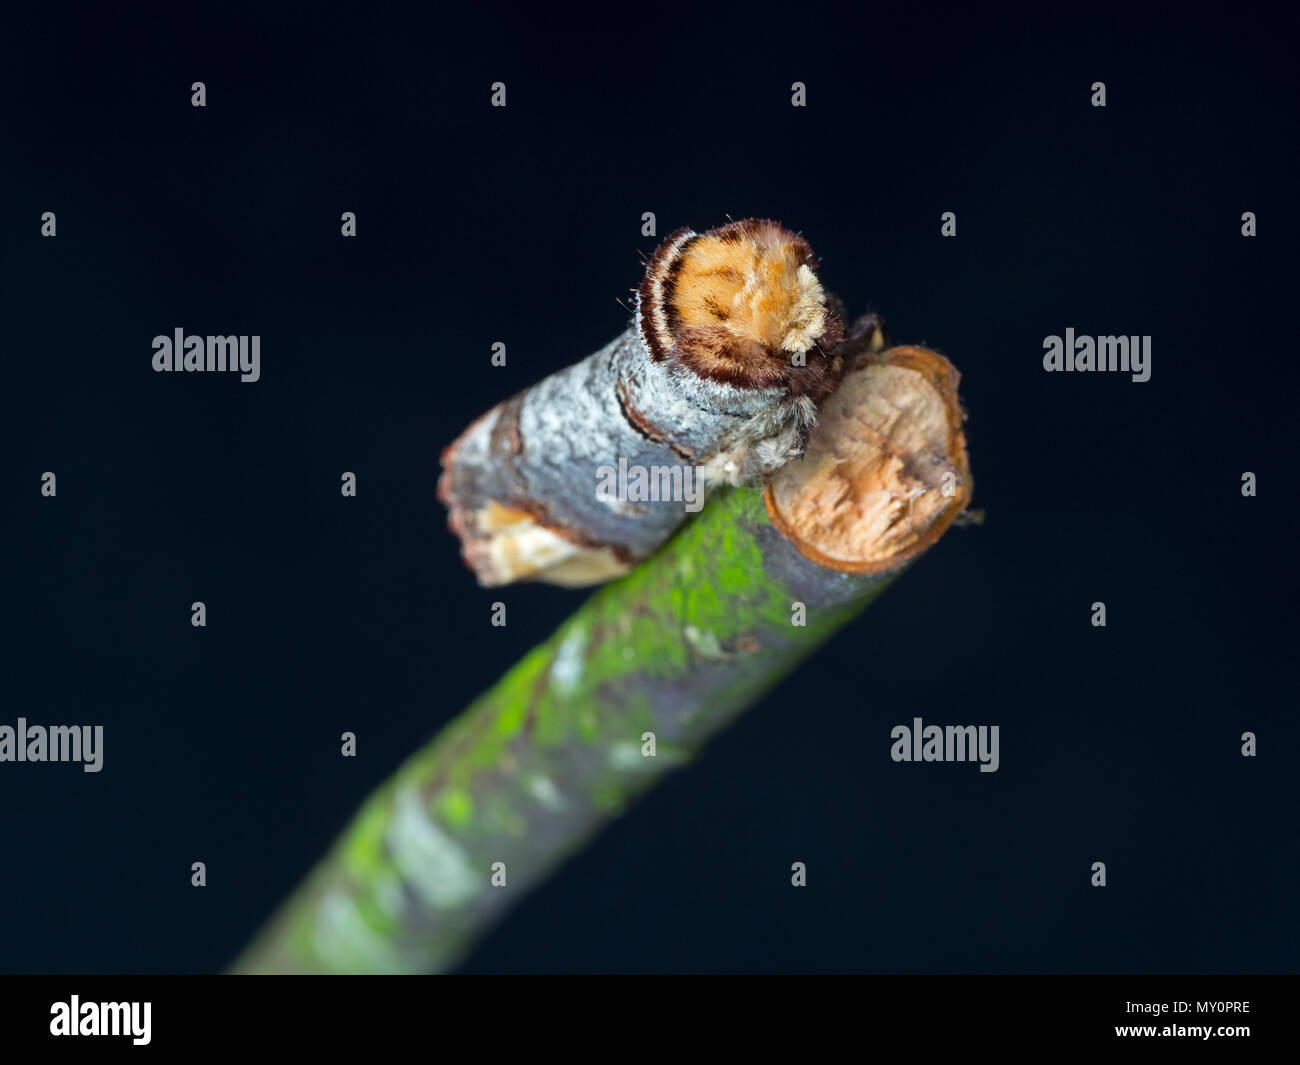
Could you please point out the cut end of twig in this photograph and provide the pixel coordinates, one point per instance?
(886, 470)
(741, 305)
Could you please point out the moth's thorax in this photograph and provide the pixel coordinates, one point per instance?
(741, 305)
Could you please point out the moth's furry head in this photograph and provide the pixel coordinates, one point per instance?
(741, 304)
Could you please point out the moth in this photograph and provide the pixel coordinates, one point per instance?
(733, 344)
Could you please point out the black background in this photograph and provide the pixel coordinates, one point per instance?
(522, 225)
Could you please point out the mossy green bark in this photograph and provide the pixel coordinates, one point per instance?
(558, 746)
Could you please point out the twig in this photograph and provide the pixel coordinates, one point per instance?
(676, 649)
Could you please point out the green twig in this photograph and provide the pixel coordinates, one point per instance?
(538, 763)
(630, 686)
